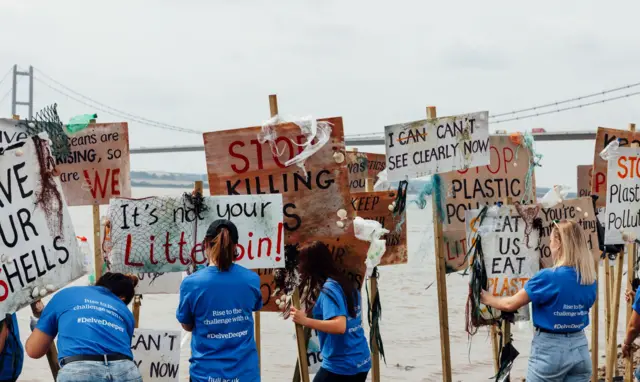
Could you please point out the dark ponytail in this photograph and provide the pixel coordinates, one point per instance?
(222, 250)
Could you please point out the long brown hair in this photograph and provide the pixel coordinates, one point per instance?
(221, 250)
(316, 266)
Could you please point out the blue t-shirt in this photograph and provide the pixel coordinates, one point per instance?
(13, 354)
(636, 303)
(560, 302)
(342, 354)
(220, 307)
(89, 320)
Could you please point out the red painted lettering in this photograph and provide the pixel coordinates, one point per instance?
(239, 156)
(127, 253)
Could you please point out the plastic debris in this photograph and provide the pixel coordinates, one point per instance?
(611, 151)
(554, 196)
(371, 231)
(80, 122)
(382, 184)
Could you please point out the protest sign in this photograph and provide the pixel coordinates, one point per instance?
(622, 213)
(97, 167)
(363, 166)
(434, 146)
(237, 163)
(579, 210)
(510, 247)
(375, 206)
(584, 180)
(38, 249)
(157, 354)
(159, 283)
(471, 189)
(605, 136)
(159, 234)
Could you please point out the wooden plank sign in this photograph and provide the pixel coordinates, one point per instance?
(471, 189)
(238, 164)
(375, 206)
(605, 136)
(97, 167)
(623, 199)
(158, 234)
(363, 166)
(434, 146)
(38, 248)
(585, 172)
(157, 354)
(579, 210)
(511, 255)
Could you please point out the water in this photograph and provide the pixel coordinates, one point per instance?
(410, 328)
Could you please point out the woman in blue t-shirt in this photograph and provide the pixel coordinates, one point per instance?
(216, 305)
(561, 297)
(94, 329)
(336, 315)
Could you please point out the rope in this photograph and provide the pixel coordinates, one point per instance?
(374, 315)
(534, 161)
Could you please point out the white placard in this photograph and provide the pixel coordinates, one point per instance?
(157, 234)
(159, 283)
(434, 146)
(314, 358)
(623, 195)
(157, 354)
(38, 248)
(509, 259)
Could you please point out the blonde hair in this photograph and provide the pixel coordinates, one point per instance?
(574, 251)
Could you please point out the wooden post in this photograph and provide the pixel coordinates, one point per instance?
(52, 353)
(594, 329)
(495, 347)
(373, 294)
(506, 325)
(607, 299)
(137, 301)
(441, 281)
(631, 263)
(302, 343)
(612, 353)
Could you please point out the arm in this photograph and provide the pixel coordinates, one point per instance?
(505, 304)
(187, 327)
(4, 333)
(184, 313)
(335, 325)
(38, 344)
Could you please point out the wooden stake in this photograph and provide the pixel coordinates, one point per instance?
(632, 251)
(441, 280)
(612, 353)
(594, 329)
(495, 346)
(302, 343)
(52, 353)
(607, 300)
(506, 325)
(97, 247)
(137, 301)
(373, 293)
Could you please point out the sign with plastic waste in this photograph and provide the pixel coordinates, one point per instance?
(157, 354)
(434, 146)
(585, 173)
(363, 166)
(622, 217)
(97, 167)
(306, 163)
(38, 247)
(159, 283)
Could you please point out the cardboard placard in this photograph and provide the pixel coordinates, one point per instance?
(511, 255)
(605, 136)
(471, 189)
(38, 247)
(623, 196)
(375, 206)
(157, 234)
(159, 283)
(97, 167)
(238, 164)
(434, 146)
(157, 354)
(579, 210)
(585, 173)
(363, 166)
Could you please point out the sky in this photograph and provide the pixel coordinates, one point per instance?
(210, 65)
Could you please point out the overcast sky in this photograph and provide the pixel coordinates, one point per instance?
(210, 65)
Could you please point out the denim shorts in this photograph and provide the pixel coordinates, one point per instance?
(559, 357)
(82, 371)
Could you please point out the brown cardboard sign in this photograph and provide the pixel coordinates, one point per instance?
(599, 176)
(585, 173)
(472, 188)
(363, 166)
(238, 164)
(375, 206)
(97, 167)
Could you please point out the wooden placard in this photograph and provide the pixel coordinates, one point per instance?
(579, 210)
(605, 136)
(238, 164)
(363, 166)
(375, 206)
(585, 172)
(472, 188)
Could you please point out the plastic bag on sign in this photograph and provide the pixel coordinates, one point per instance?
(554, 196)
(382, 184)
(611, 151)
(374, 255)
(368, 230)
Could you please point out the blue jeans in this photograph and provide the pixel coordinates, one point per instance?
(559, 357)
(81, 371)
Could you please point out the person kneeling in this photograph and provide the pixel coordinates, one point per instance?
(94, 328)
